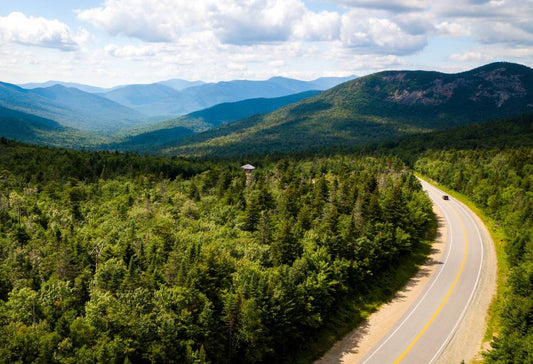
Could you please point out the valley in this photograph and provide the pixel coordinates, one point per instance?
(130, 233)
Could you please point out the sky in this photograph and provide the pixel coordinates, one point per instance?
(114, 42)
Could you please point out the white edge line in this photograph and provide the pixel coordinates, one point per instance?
(467, 306)
(427, 292)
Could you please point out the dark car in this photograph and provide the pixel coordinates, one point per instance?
(445, 197)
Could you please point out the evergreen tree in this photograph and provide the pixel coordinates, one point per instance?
(252, 213)
(285, 248)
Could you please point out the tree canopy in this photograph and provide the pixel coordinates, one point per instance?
(108, 257)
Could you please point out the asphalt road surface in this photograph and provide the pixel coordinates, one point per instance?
(423, 332)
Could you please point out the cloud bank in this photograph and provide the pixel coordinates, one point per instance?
(222, 39)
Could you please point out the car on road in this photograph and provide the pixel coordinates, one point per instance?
(445, 197)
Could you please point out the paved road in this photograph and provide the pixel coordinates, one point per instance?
(422, 334)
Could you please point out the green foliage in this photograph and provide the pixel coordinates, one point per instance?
(108, 257)
(499, 134)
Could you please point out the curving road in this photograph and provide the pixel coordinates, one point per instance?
(424, 331)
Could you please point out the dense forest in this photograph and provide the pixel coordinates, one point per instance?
(116, 257)
(500, 182)
(108, 257)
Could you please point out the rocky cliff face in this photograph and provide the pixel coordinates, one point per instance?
(436, 94)
(494, 84)
(499, 86)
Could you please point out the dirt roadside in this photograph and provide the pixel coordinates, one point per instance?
(468, 340)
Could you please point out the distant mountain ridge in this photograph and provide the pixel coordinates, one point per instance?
(79, 86)
(371, 109)
(179, 84)
(176, 83)
(148, 100)
(69, 106)
(161, 100)
(495, 90)
(176, 97)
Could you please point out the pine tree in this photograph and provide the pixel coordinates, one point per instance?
(252, 213)
(285, 248)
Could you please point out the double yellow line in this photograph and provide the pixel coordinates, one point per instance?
(406, 351)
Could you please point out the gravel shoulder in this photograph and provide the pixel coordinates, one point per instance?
(468, 339)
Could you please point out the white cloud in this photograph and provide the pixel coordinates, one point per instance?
(255, 21)
(487, 21)
(148, 20)
(500, 32)
(389, 5)
(492, 53)
(277, 63)
(378, 35)
(476, 56)
(323, 26)
(415, 23)
(38, 31)
(232, 21)
(132, 52)
(213, 40)
(251, 22)
(452, 29)
(471, 9)
(236, 67)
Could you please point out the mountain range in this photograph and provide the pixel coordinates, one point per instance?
(250, 117)
(163, 101)
(371, 109)
(109, 112)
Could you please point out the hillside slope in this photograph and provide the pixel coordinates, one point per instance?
(372, 109)
(500, 134)
(169, 131)
(29, 128)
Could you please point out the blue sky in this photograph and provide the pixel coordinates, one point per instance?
(113, 42)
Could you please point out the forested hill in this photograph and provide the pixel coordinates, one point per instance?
(493, 135)
(374, 108)
(108, 257)
(35, 129)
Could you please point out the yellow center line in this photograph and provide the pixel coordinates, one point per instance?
(445, 298)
